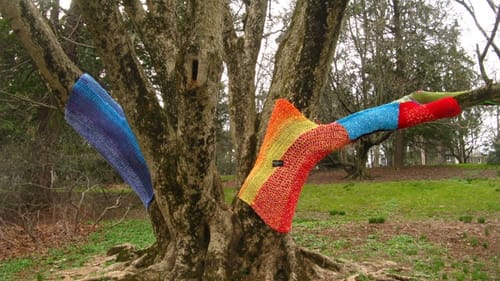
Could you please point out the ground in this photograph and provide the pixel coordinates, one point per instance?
(475, 240)
(407, 173)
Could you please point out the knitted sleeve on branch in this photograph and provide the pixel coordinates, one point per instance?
(101, 121)
(293, 145)
(398, 115)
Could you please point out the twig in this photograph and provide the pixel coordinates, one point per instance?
(124, 215)
(77, 43)
(116, 205)
(26, 99)
(473, 15)
(78, 209)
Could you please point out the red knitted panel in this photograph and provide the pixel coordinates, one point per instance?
(412, 113)
(276, 201)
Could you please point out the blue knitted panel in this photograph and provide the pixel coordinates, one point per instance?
(384, 117)
(101, 121)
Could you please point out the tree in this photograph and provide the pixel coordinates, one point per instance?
(389, 48)
(198, 237)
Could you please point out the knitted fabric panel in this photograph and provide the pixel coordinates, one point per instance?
(384, 117)
(413, 113)
(101, 121)
(273, 192)
(295, 145)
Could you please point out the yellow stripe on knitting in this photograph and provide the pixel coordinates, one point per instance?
(275, 146)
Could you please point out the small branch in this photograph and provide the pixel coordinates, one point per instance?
(116, 205)
(480, 59)
(473, 15)
(124, 216)
(482, 56)
(78, 208)
(26, 99)
(77, 43)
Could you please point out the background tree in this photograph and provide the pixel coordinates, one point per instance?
(163, 62)
(376, 64)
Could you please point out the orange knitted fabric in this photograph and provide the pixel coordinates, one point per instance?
(295, 144)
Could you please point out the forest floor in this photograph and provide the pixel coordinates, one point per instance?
(464, 241)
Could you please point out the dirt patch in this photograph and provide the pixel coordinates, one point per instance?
(16, 242)
(43, 232)
(407, 173)
(458, 238)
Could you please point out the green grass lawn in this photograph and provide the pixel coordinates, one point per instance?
(327, 207)
(407, 200)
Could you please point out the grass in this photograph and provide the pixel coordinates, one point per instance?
(136, 232)
(453, 200)
(402, 200)
(325, 208)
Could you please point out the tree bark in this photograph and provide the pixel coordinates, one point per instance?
(304, 56)
(37, 38)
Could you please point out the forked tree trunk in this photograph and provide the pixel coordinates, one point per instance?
(198, 236)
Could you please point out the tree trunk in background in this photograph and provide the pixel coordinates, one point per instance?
(399, 150)
(359, 170)
(399, 136)
(241, 54)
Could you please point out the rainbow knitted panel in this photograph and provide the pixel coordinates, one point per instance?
(295, 144)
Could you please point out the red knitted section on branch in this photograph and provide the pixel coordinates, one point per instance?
(412, 113)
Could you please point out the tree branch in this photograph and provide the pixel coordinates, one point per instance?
(158, 31)
(311, 39)
(473, 15)
(26, 99)
(126, 74)
(487, 95)
(40, 42)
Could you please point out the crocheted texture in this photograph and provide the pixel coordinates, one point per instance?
(398, 115)
(413, 113)
(384, 117)
(293, 145)
(299, 143)
(102, 122)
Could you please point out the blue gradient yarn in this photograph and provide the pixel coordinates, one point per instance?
(101, 121)
(380, 118)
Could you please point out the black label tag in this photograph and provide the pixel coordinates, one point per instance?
(278, 163)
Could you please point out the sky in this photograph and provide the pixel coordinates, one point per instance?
(470, 34)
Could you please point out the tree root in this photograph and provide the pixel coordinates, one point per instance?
(303, 264)
(329, 269)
